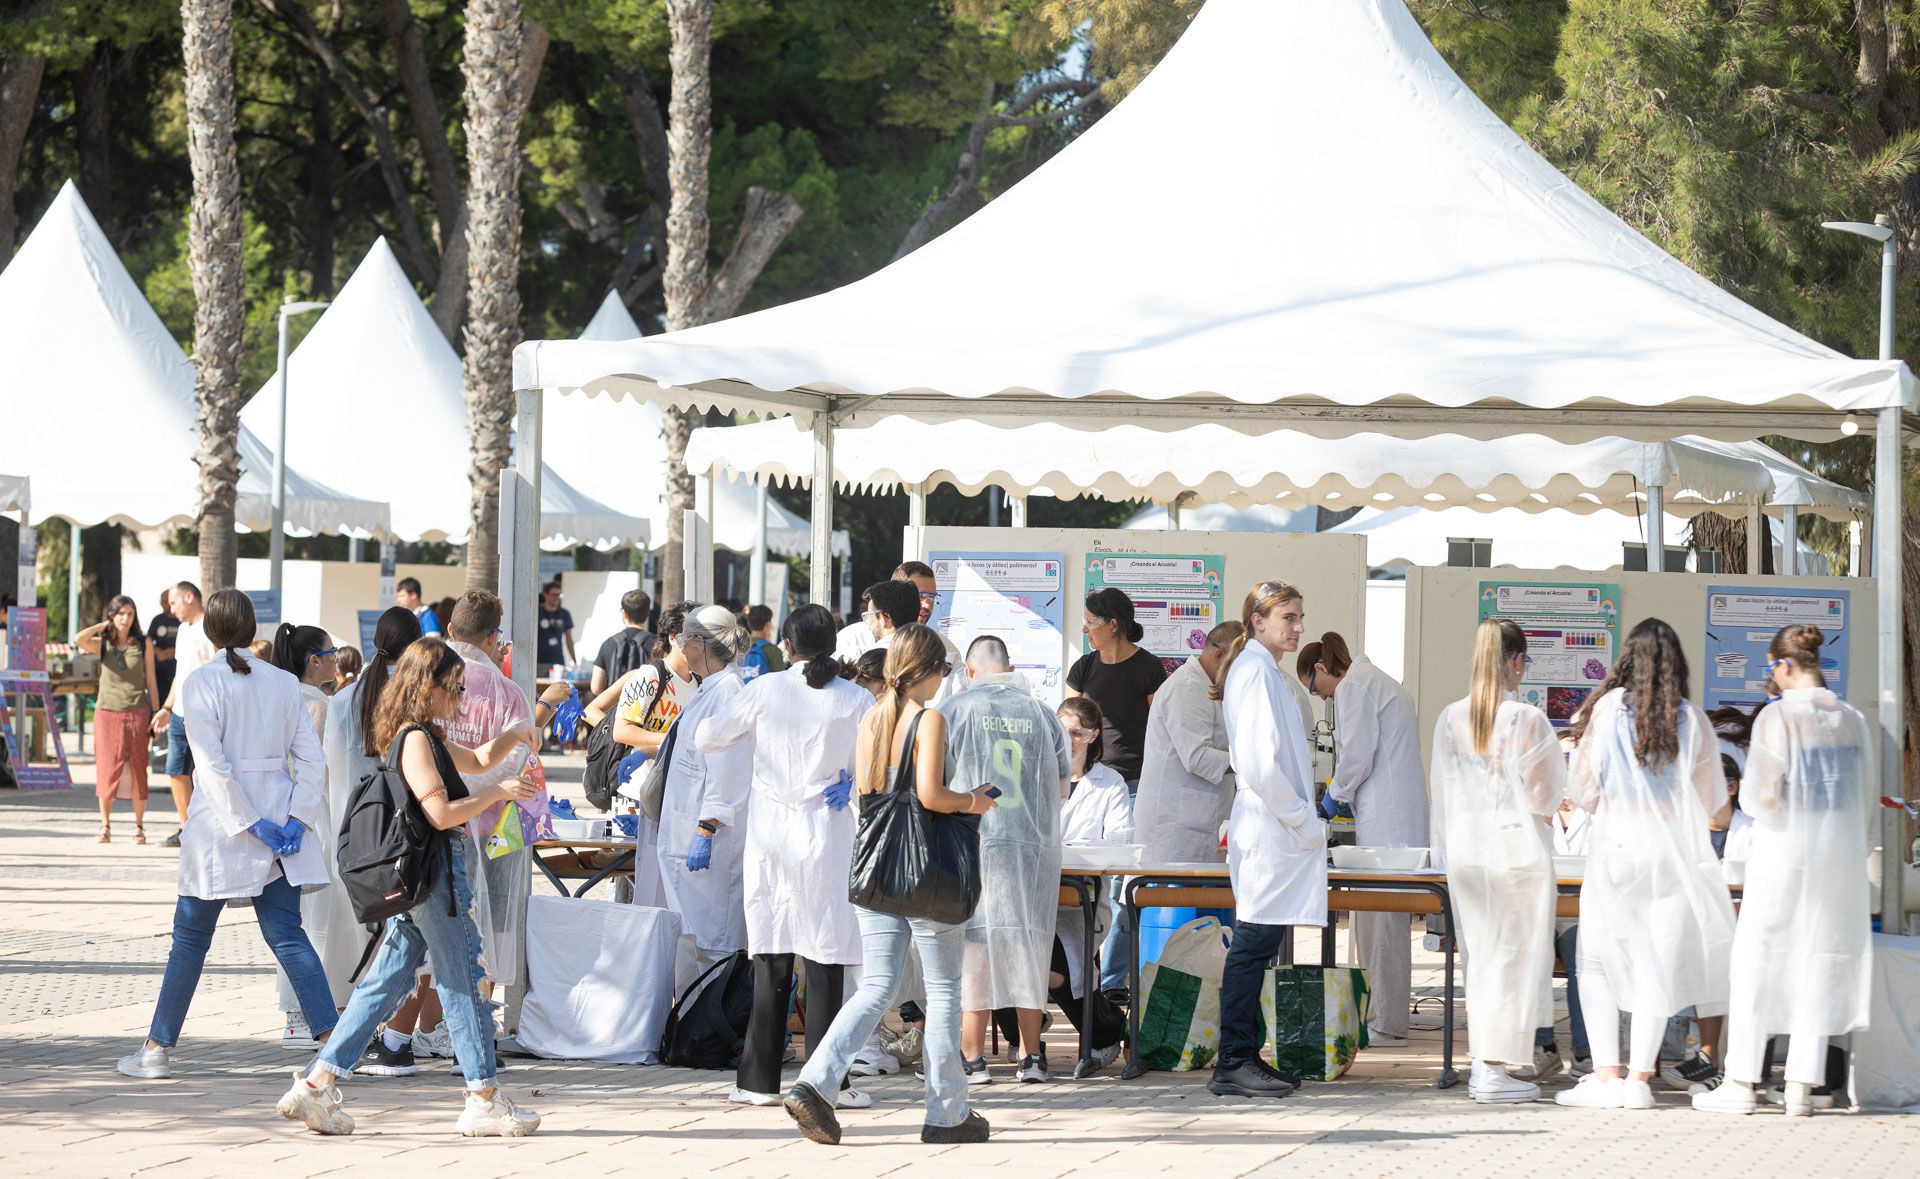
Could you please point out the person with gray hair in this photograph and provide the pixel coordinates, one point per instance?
(704, 810)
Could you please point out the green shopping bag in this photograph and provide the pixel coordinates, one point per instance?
(1180, 999)
(1319, 1017)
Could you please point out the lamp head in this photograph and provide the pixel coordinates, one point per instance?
(1879, 233)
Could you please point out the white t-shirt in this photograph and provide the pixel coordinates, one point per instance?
(191, 651)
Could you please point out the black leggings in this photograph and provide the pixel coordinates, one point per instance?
(1109, 1021)
(759, 1070)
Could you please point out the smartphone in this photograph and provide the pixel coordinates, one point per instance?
(993, 792)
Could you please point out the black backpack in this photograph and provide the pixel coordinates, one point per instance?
(630, 650)
(604, 753)
(389, 856)
(708, 1025)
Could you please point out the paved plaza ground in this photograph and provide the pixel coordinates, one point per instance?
(83, 940)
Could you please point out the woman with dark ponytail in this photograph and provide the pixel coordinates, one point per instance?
(804, 723)
(307, 653)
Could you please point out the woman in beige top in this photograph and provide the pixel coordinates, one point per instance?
(121, 713)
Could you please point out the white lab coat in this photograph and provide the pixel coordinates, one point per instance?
(1097, 811)
(799, 851)
(242, 729)
(1276, 841)
(1655, 917)
(1802, 949)
(707, 785)
(1490, 836)
(1186, 780)
(1377, 770)
(327, 914)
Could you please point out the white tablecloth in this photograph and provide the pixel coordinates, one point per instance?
(599, 980)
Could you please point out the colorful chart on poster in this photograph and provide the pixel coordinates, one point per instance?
(1177, 598)
(1573, 637)
(1742, 620)
(1019, 597)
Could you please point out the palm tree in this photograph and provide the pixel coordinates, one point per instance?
(493, 82)
(219, 281)
(684, 283)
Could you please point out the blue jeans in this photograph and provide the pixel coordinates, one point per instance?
(1253, 949)
(883, 943)
(278, 910)
(179, 753)
(1563, 947)
(452, 945)
(1116, 952)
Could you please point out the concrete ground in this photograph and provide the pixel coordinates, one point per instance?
(84, 932)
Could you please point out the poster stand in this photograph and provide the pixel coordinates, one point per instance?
(26, 677)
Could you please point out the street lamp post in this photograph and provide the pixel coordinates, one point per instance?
(277, 541)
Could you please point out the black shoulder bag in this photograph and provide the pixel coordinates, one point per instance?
(912, 862)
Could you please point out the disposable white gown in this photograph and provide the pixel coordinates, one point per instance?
(1378, 770)
(799, 851)
(1490, 834)
(703, 785)
(999, 735)
(1655, 917)
(1096, 811)
(1802, 948)
(327, 914)
(1186, 780)
(1276, 841)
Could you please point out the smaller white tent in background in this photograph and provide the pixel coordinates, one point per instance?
(101, 399)
(15, 493)
(376, 399)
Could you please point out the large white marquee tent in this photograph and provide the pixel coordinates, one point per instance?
(90, 366)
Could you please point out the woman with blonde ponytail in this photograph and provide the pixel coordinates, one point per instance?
(903, 745)
(1497, 775)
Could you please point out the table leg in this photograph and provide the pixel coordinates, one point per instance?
(1448, 1077)
(623, 860)
(551, 876)
(1328, 935)
(1135, 1067)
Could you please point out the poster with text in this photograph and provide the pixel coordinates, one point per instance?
(1019, 597)
(1177, 599)
(1573, 637)
(1742, 620)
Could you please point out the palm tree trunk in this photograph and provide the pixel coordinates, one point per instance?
(689, 135)
(219, 281)
(493, 81)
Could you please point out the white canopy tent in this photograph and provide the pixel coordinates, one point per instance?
(1399, 261)
(376, 400)
(87, 358)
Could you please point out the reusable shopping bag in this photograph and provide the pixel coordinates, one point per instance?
(1180, 998)
(1319, 1017)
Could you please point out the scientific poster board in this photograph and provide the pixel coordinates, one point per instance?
(1742, 620)
(1177, 598)
(25, 679)
(1020, 597)
(369, 622)
(1573, 638)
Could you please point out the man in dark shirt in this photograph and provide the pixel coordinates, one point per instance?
(556, 629)
(160, 631)
(629, 648)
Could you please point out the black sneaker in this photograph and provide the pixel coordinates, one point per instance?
(1275, 1073)
(1119, 997)
(1248, 1080)
(814, 1113)
(382, 1061)
(974, 1129)
(172, 840)
(1692, 1071)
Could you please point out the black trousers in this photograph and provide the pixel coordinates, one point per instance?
(759, 1070)
(1109, 1021)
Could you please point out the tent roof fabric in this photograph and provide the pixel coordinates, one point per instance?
(1286, 468)
(621, 457)
(15, 493)
(1400, 261)
(375, 380)
(89, 355)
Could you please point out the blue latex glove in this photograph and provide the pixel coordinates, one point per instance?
(1328, 806)
(628, 764)
(700, 853)
(269, 833)
(838, 793)
(290, 836)
(566, 717)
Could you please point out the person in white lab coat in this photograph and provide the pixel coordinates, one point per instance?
(1656, 923)
(250, 838)
(1802, 949)
(1377, 773)
(703, 815)
(1186, 783)
(1497, 773)
(1276, 840)
(801, 725)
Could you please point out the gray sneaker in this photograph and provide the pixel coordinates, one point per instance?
(497, 1117)
(1033, 1069)
(319, 1109)
(143, 1065)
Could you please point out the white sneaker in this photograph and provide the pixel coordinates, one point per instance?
(1033, 1069)
(320, 1109)
(1379, 1039)
(1799, 1100)
(298, 1037)
(874, 1061)
(143, 1065)
(741, 1096)
(1545, 1064)
(1104, 1057)
(1730, 1098)
(1593, 1092)
(1636, 1094)
(1491, 1085)
(438, 1042)
(851, 1099)
(498, 1118)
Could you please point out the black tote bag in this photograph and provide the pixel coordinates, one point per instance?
(909, 861)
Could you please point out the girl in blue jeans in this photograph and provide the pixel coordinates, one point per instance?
(902, 745)
(424, 692)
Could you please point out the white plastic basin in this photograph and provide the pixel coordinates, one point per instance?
(1399, 859)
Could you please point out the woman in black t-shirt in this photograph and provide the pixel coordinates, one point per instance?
(1118, 676)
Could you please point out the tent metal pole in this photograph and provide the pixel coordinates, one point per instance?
(916, 522)
(519, 541)
(27, 575)
(1756, 537)
(1790, 541)
(1888, 497)
(73, 582)
(757, 573)
(1017, 511)
(1656, 528)
(277, 533)
(1853, 547)
(820, 563)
